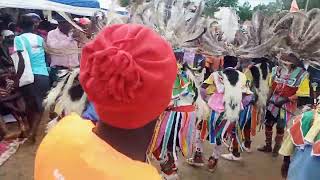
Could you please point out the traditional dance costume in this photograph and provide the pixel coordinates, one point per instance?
(225, 101)
(280, 108)
(303, 145)
(176, 126)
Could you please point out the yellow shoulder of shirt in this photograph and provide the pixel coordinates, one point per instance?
(72, 151)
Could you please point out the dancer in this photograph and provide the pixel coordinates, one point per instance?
(119, 78)
(176, 126)
(245, 125)
(177, 123)
(287, 147)
(289, 81)
(225, 102)
(303, 145)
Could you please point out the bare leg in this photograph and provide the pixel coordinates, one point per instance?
(21, 125)
(36, 118)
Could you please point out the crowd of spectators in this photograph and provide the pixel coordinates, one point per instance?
(32, 51)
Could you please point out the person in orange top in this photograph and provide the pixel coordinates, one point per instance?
(213, 63)
(121, 69)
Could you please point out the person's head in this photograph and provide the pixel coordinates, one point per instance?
(230, 62)
(45, 25)
(53, 24)
(289, 61)
(36, 19)
(65, 27)
(12, 26)
(128, 72)
(26, 24)
(8, 37)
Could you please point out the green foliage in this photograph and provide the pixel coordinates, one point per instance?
(245, 12)
(269, 9)
(124, 3)
(212, 6)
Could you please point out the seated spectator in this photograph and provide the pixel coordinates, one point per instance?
(10, 97)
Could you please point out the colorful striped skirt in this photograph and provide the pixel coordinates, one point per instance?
(175, 130)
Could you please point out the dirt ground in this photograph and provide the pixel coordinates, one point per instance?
(254, 166)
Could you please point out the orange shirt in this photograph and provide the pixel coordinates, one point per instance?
(214, 62)
(71, 151)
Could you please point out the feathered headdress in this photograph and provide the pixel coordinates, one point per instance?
(220, 37)
(296, 32)
(176, 21)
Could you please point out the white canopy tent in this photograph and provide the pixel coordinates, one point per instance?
(59, 7)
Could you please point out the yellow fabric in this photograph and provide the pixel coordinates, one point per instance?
(244, 87)
(58, 108)
(314, 130)
(287, 148)
(72, 151)
(243, 77)
(211, 88)
(249, 76)
(270, 81)
(210, 80)
(304, 88)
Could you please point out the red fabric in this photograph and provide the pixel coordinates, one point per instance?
(296, 132)
(284, 90)
(189, 108)
(254, 120)
(128, 72)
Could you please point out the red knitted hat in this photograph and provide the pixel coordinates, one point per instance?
(128, 73)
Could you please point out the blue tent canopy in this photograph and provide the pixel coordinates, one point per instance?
(80, 3)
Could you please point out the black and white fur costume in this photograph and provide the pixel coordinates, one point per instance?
(67, 96)
(261, 73)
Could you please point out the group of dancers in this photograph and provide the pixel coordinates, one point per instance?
(238, 96)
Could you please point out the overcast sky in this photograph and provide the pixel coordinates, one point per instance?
(256, 2)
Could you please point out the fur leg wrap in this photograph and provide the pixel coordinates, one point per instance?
(268, 133)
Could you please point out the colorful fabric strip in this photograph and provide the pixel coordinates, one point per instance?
(163, 124)
(212, 138)
(167, 134)
(316, 147)
(178, 119)
(254, 120)
(296, 132)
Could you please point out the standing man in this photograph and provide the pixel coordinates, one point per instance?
(63, 48)
(288, 82)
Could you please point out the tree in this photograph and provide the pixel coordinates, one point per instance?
(124, 3)
(245, 12)
(269, 9)
(212, 6)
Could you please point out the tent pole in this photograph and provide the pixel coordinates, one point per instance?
(307, 5)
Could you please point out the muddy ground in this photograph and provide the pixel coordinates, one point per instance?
(254, 166)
